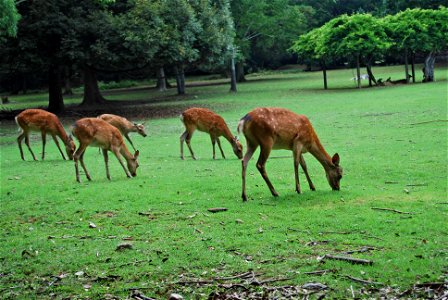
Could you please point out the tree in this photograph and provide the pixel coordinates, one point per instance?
(9, 17)
(419, 30)
(264, 31)
(313, 47)
(360, 36)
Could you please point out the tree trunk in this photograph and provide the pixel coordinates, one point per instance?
(324, 71)
(358, 72)
(92, 95)
(240, 77)
(406, 65)
(370, 73)
(413, 66)
(180, 79)
(55, 102)
(161, 80)
(67, 81)
(233, 74)
(428, 69)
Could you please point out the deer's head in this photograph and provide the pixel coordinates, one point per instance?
(334, 173)
(70, 147)
(133, 164)
(237, 147)
(140, 129)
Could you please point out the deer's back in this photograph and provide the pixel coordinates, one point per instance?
(97, 132)
(119, 122)
(38, 120)
(283, 126)
(203, 119)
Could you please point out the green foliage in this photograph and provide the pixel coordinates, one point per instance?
(265, 29)
(49, 249)
(359, 34)
(9, 17)
(419, 30)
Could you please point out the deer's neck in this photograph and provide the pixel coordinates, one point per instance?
(125, 152)
(227, 134)
(60, 131)
(318, 151)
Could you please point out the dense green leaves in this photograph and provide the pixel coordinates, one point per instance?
(8, 18)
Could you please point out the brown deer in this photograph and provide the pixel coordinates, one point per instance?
(45, 122)
(124, 125)
(99, 133)
(278, 128)
(207, 121)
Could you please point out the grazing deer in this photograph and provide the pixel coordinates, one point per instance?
(124, 125)
(207, 121)
(45, 122)
(99, 133)
(278, 128)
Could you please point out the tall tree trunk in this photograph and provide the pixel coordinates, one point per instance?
(180, 79)
(413, 66)
(428, 69)
(240, 77)
(233, 73)
(324, 71)
(92, 95)
(55, 102)
(406, 65)
(370, 73)
(358, 72)
(161, 80)
(67, 81)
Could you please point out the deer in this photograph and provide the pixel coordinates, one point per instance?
(40, 120)
(278, 128)
(98, 133)
(124, 125)
(207, 121)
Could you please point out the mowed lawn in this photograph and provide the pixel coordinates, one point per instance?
(61, 239)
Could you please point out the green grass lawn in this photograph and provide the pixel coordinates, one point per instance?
(393, 147)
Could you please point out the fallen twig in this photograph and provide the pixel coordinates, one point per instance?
(363, 249)
(217, 209)
(319, 272)
(361, 280)
(431, 121)
(417, 184)
(393, 210)
(433, 285)
(242, 275)
(140, 296)
(349, 259)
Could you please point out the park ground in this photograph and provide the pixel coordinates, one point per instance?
(153, 234)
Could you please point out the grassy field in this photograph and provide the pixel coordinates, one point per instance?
(393, 147)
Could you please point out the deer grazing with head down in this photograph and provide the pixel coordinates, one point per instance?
(99, 133)
(278, 128)
(124, 125)
(207, 121)
(45, 122)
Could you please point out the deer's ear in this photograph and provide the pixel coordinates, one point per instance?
(136, 154)
(335, 159)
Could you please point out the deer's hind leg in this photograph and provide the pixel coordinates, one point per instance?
(186, 137)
